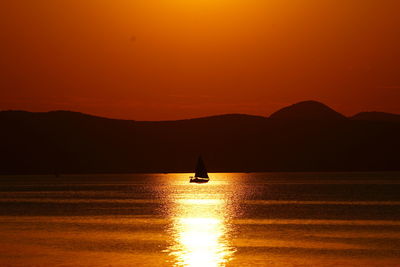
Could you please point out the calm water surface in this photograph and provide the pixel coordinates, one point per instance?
(265, 219)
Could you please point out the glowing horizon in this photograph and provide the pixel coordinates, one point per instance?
(174, 59)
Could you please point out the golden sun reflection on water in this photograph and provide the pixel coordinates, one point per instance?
(200, 232)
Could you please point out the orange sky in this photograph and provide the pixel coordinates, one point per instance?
(169, 59)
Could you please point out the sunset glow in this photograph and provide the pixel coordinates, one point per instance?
(200, 242)
(199, 133)
(173, 59)
(200, 231)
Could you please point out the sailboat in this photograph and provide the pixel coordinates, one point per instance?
(201, 175)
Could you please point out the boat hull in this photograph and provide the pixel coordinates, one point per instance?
(199, 180)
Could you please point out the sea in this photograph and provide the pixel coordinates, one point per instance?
(237, 219)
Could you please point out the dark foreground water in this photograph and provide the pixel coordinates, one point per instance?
(264, 219)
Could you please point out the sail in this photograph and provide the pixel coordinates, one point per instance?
(201, 171)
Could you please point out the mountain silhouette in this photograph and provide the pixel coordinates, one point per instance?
(308, 110)
(315, 139)
(377, 116)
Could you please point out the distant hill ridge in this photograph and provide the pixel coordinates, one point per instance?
(56, 113)
(306, 110)
(377, 116)
(307, 136)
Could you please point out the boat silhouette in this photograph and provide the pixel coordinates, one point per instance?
(201, 175)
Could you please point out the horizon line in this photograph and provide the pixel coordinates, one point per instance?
(193, 118)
